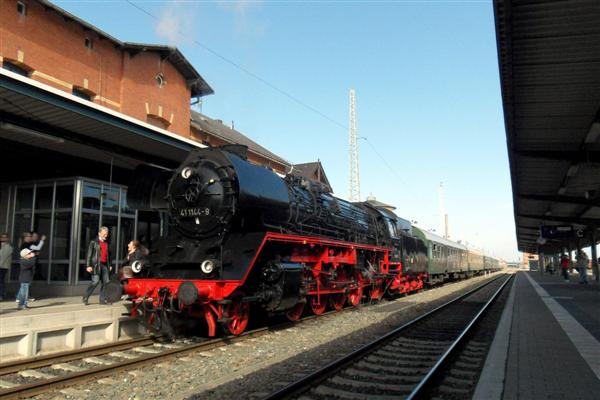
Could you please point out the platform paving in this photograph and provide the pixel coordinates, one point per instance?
(61, 324)
(551, 350)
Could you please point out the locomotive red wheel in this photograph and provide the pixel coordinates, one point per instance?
(377, 291)
(238, 314)
(296, 312)
(355, 295)
(318, 307)
(337, 301)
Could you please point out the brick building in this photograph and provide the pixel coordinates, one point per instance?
(151, 83)
(79, 110)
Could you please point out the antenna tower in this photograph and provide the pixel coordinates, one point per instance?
(442, 210)
(354, 178)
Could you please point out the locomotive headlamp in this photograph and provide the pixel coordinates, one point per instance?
(137, 266)
(207, 266)
(186, 172)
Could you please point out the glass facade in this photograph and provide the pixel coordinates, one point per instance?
(69, 212)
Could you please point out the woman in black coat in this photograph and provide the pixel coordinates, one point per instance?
(135, 252)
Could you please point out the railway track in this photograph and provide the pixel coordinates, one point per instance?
(406, 362)
(43, 374)
(32, 377)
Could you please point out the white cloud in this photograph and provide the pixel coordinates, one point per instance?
(176, 25)
(244, 25)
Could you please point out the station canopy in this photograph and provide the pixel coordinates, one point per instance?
(40, 125)
(549, 60)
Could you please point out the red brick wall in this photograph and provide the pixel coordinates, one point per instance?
(141, 92)
(54, 49)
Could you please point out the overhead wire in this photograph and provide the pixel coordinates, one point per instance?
(278, 90)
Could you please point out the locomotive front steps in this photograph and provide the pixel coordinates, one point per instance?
(61, 324)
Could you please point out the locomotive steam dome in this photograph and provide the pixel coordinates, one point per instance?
(201, 198)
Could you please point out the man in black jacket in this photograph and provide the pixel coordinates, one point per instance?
(98, 264)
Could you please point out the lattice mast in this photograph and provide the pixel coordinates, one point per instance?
(354, 177)
(442, 211)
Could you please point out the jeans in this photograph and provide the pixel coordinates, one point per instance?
(23, 294)
(2, 286)
(565, 273)
(102, 279)
(582, 274)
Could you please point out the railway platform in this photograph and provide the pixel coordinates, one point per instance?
(547, 345)
(59, 324)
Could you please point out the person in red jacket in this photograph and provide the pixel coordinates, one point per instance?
(98, 264)
(564, 266)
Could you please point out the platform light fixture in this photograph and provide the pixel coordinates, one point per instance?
(7, 126)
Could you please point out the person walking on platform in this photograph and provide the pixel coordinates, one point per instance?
(6, 252)
(98, 264)
(582, 264)
(564, 266)
(27, 262)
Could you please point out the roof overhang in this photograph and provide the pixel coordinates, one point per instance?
(549, 60)
(199, 87)
(38, 115)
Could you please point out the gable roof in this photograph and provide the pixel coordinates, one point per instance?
(198, 86)
(313, 171)
(219, 129)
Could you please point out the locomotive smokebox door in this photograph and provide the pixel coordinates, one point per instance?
(202, 194)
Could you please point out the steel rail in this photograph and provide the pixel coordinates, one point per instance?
(66, 356)
(45, 385)
(418, 391)
(324, 372)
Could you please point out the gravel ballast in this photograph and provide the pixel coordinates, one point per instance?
(257, 366)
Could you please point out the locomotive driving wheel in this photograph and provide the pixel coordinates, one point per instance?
(238, 314)
(296, 312)
(377, 290)
(318, 304)
(355, 294)
(337, 301)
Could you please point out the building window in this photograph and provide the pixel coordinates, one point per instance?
(89, 43)
(17, 69)
(160, 79)
(82, 94)
(21, 8)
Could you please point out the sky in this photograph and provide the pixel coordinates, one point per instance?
(428, 101)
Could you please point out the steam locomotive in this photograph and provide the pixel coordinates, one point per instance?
(242, 238)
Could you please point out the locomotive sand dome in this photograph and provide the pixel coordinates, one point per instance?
(240, 236)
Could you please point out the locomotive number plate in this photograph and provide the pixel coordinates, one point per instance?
(194, 212)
